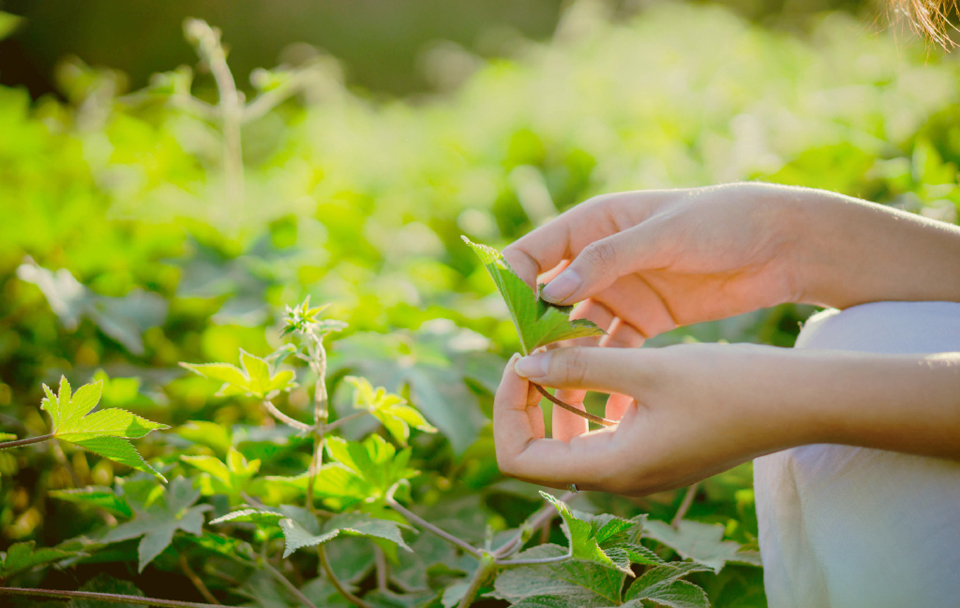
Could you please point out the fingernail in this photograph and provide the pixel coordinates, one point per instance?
(533, 366)
(562, 287)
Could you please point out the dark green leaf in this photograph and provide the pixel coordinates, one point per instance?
(586, 584)
(23, 556)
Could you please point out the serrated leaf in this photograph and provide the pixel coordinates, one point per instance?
(255, 377)
(546, 601)
(374, 460)
(538, 322)
(97, 496)
(583, 584)
(229, 478)
(254, 516)
(105, 432)
(695, 540)
(158, 523)
(353, 524)
(662, 584)
(23, 556)
(604, 539)
(393, 411)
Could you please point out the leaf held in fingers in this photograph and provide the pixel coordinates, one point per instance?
(105, 432)
(538, 322)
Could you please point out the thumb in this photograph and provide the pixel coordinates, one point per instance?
(599, 264)
(611, 370)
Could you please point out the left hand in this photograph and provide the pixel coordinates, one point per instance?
(686, 412)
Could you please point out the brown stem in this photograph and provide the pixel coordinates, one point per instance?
(290, 586)
(325, 564)
(115, 598)
(197, 581)
(393, 504)
(20, 442)
(685, 504)
(574, 410)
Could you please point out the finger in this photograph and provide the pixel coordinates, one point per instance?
(611, 370)
(517, 418)
(621, 335)
(556, 463)
(617, 405)
(563, 238)
(635, 302)
(600, 263)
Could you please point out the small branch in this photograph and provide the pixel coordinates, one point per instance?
(342, 421)
(290, 586)
(524, 561)
(332, 577)
(685, 504)
(196, 580)
(393, 504)
(539, 518)
(381, 565)
(484, 569)
(300, 426)
(16, 443)
(114, 598)
(573, 409)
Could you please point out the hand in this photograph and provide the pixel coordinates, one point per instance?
(646, 262)
(692, 410)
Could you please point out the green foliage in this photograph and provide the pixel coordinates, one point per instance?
(105, 432)
(391, 410)
(538, 322)
(255, 378)
(24, 556)
(349, 524)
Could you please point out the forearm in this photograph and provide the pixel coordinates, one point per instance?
(851, 252)
(901, 403)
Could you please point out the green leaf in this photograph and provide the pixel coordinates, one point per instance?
(105, 432)
(698, 541)
(353, 524)
(97, 496)
(22, 556)
(255, 377)
(606, 540)
(104, 583)
(538, 322)
(158, 523)
(9, 24)
(254, 516)
(230, 478)
(393, 411)
(7, 436)
(583, 584)
(374, 460)
(663, 585)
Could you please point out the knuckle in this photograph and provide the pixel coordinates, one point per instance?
(599, 254)
(571, 364)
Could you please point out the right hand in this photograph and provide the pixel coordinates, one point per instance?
(645, 262)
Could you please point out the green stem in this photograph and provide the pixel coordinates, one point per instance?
(483, 572)
(115, 598)
(541, 517)
(21, 442)
(290, 586)
(276, 413)
(573, 409)
(342, 421)
(332, 577)
(393, 504)
(685, 504)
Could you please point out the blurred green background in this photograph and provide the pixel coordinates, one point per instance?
(142, 223)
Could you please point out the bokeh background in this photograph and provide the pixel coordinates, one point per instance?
(150, 215)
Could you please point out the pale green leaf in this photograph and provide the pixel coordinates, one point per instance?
(7, 436)
(210, 465)
(255, 377)
(23, 556)
(119, 450)
(254, 516)
(695, 540)
(393, 411)
(352, 524)
(9, 23)
(297, 538)
(584, 584)
(538, 322)
(375, 460)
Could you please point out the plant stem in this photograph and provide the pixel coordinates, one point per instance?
(290, 586)
(325, 564)
(573, 409)
(114, 598)
(276, 413)
(539, 518)
(479, 577)
(16, 443)
(318, 363)
(393, 504)
(685, 504)
(524, 561)
(381, 565)
(197, 581)
(342, 421)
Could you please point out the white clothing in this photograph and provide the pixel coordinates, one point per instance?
(847, 527)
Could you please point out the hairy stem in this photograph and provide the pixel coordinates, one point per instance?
(290, 586)
(574, 410)
(393, 504)
(332, 577)
(483, 572)
(381, 565)
(276, 413)
(525, 561)
(197, 581)
(318, 363)
(16, 443)
(685, 504)
(342, 421)
(114, 598)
